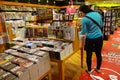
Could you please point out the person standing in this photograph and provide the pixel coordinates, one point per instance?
(94, 36)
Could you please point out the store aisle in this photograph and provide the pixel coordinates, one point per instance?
(110, 69)
(72, 67)
(110, 65)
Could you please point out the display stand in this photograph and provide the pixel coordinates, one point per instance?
(61, 65)
(81, 50)
(59, 62)
(46, 74)
(82, 43)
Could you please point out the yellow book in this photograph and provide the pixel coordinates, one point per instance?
(2, 62)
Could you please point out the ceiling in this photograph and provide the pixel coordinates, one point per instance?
(103, 1)
(66, 2)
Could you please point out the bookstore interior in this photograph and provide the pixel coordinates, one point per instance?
(39, 40)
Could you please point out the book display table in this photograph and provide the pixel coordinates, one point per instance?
(61, 65)
(47, 74)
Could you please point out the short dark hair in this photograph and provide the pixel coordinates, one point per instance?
(85, 8)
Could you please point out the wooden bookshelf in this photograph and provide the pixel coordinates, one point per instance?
(75, 42)
(47, 74)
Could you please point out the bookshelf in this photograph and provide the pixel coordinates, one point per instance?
(74, 40)
(110, 21)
